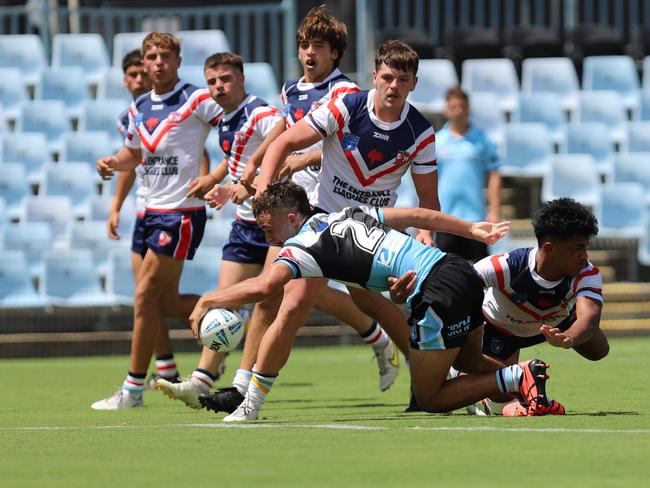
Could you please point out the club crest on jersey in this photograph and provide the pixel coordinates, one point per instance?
(240, 138)
(350, 142)
(402, 157)
(174, 117)
(138, 120)
(164, 239)
(315, 105)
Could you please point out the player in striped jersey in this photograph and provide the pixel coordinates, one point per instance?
(166, 135)
(547, 293)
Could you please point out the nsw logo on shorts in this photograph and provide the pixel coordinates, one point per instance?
(164, 239)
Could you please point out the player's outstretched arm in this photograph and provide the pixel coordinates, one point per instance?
(426, 187)
(126, 159)
(252, 290)
(422, 218)
(587, 321)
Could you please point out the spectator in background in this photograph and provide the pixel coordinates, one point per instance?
(467, 160)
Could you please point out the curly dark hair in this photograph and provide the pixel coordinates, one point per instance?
(562, 219)
(282, 196)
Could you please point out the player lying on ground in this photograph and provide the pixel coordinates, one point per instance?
(357, 246)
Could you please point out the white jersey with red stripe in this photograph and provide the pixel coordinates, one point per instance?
(518, 300)
(171, 129)
(241, 132)
(299, 98)
(364, 158)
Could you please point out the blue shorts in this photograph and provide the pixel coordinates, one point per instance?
(137, 242)
(246, 244)
(175, 233)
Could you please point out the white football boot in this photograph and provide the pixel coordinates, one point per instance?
(246, 411)
(187, 391)
(388, 363)
(120, 399)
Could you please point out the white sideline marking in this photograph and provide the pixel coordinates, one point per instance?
(542, 430)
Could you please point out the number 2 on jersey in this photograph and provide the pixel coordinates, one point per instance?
(365, 239)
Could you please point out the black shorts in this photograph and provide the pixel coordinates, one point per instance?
(448, 305)
(466, 248)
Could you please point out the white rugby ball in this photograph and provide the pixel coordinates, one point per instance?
(222, 329)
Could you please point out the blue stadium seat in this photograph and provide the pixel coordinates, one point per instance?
(91, 235)
(124, 43)
(53, 210)
(528, 150)
(435, 77)
(69, 280)
(594, 139)
(120, 284)
(111, 86)
(4, 216)
(492, 75)
(574, 176)
(74, 180)
(65, 84)
(197, 45)
(623, 212)
(192, 73)
(98, 207)
(28, 148)
(643, 114)
(12, 92)
(13, 188)
(85, 51)
(260, 81)
(646, 73)
(606, 107)
(16, 287)
(87, 146)
(32, 238)
(482, 114)
(216, 232)
(101, 115)
(633, 168)
(201, 274)
(47, 117)
(213, 148)
(554, 75)
(25, 52)
(616, 73)
(638, 137)
(545, 108)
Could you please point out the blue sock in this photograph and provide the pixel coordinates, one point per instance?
(508, 378)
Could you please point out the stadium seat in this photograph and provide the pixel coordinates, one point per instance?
(16, 287)
(13, 188)
(527, 149)
(633, 168)
(87, 146)
(216, 232)
(29, 149)
(192, 73)
(47, 117)
(497, 76)
(4, 216)
(646, 74)
(606, 107)
(53, 210)
(213, 148)
(201, 274)
(545, 108)
(91, 235)
(482, 114)
(69, 280)
(12, 92)
(111, 86)
(594, 139)
(124, 43)
(197, 45)
(25, 52)
(74, 180)
(623, 211)
(435, 77)
(32, 238)
(85, 51)
(98, 207)
(643, 114)
(638, 137)
(120, 284)
(102, 115)
(554, 75)
(573, 176)
(65, 84)
(261, 82)
(616, 73)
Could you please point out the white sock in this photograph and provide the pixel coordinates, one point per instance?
(376, 337)
(241, 380)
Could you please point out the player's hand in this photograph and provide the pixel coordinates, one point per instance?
(555, 337)
(200, 186)
(402, 287)
(218, 196)
(292, 165)
(196, 316)
(425, 237)
(488, 232)
(248, 177)
(106, 167)
(238, 193)
(112, 225)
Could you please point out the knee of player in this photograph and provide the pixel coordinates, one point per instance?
(144, 293)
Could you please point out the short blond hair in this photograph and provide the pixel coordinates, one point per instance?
(162, 40)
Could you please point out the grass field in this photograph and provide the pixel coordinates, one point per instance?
(324, 424)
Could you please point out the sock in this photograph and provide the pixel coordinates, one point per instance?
(166, 366)
(375, 337)
(259, 387)
(508, 378)
(241, 380)
(204, 379)
(134, 383)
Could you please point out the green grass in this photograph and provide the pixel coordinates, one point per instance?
(50, 437)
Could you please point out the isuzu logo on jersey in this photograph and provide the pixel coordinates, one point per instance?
(164, 238)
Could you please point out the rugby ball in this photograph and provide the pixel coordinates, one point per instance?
(222, 329)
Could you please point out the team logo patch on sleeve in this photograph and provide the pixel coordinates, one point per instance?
(287, 254)
(138, 120)
(287, 110)
(350, 142)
